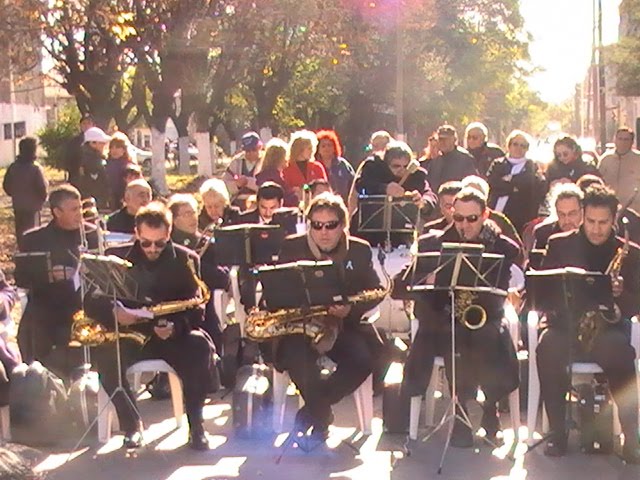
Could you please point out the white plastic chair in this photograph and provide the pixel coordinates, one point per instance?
(363, 398)
(578, 369)
(436, 380)
(105, 421)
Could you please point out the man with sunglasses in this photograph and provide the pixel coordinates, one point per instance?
(486, 357)
(354, 350)
(161, 269)
(592, 247)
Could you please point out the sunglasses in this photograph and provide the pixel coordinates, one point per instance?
(325, 225)
(157, 243)
(469, 218)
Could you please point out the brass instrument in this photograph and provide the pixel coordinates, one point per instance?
(86, 331)
(263, 325)
(592, 321)
(467, 311)
(207, 235)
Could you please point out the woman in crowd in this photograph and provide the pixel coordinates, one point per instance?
(339, 171)
(302, 168)
(117, 162)
(273, 164)
(217, 207)
(567, 164)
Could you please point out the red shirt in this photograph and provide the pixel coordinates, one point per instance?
(294, 177)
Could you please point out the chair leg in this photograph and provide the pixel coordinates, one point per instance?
(414, 416)
(363, 397)
(430, 399)
(533, 401)
(514, 410)
(176, 398)
(280, 385)
(104, 416)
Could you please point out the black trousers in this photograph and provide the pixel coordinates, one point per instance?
(352, 354)
(25, 220)
(611, 350)
(484, 358)
(189, 354)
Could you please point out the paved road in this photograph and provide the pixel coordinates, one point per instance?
(380, 456)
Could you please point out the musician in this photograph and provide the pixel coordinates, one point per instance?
(184, 210)
(46, 322)
(137, 194)
(592, 247)
(161, 269)
(566, 216)
(486, 356)
(270, 198)
(327, 239)
(446, 196)
(217, 207)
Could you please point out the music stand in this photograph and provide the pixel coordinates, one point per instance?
(36, 265)
(110, 277)
(248, 244)
(567, 293)
(386, 214)
(459, 267)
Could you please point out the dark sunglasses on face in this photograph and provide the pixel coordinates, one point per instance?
(325, 225)
(469, 218)
(157, 243)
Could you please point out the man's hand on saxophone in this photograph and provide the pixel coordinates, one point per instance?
(125, 317)
(339, 311)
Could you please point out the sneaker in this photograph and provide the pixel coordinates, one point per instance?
(132, 440)
(303, 420)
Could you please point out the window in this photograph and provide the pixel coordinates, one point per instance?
(20, 129)
(7, 131)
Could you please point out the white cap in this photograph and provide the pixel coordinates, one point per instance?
(95, 134)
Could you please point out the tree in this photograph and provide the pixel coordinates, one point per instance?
(624, 56)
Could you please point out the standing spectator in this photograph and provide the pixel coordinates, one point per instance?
(74, 151)
(240, 176)
(517, 189)
(27, 186)
(483, 152)
(302, 168)
(93, 177)
(431, 151)
(567, 165)
(454, 163)
(117, 162)
(272, 166)
(620, 169)
(339, 171)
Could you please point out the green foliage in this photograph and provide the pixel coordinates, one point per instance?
(624, 56)
(54, 138)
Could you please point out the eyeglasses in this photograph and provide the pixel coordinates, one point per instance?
(157, 243)
(469, 218)
(325, 225)
(518, 144)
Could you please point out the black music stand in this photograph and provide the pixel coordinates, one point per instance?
(248, 244)
(110, 277)
(386, 214)
(567, 293)
(458, 267)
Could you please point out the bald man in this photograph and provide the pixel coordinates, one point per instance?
(137, 194)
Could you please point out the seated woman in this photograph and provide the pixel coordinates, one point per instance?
(217, 204)
(273, 164)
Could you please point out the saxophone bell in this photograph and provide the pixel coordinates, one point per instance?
(474, 317)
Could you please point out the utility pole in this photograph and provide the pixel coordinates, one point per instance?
(399, 74)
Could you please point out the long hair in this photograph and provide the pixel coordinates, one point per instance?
(332, 136)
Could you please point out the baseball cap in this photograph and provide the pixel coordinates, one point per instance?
(95, 134)
(250, 141)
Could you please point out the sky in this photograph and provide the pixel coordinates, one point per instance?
(562, 39)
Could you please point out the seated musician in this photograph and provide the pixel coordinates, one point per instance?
(624, 211)
(318, 186)
(46, 322)
(566, 214)
(162, 271)
(391, 176)
(446, 196)
(137, 194)
(184, 210)
(217, 208)
(486, 358)
(593, 247)
(353, 350)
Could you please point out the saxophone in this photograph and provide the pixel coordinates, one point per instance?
(313, 322)
(468, 312)
(85, 331)
(592, 321)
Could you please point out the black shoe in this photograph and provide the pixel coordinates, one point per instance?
(198, 441)
(132, 440)
(462, 436)
(631, 453)
(556, 446)
(303, 420)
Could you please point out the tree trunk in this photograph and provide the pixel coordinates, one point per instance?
(158, 161)
(203, 142)
(183, 155)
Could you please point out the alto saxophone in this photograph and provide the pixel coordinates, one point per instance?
(263, 325)
(468, 312)
(590, 324)
(85, 331)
